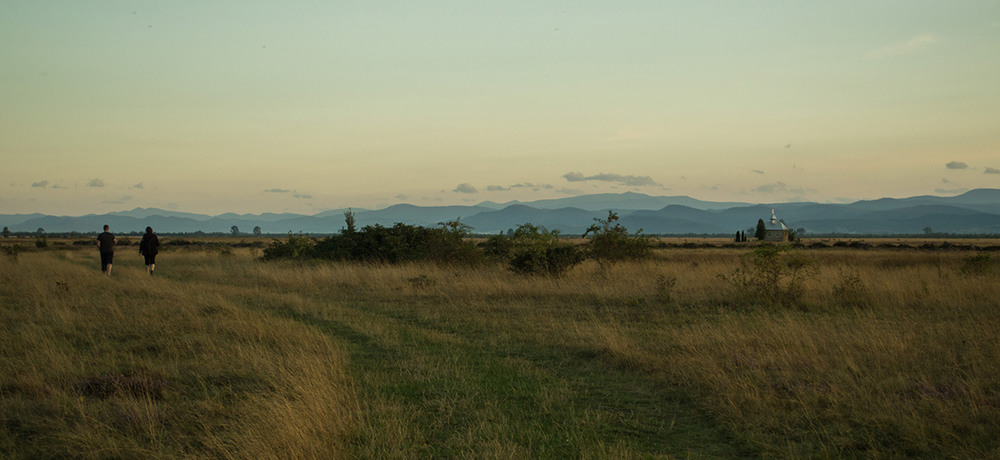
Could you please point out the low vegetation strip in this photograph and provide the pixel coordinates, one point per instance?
(879, 353)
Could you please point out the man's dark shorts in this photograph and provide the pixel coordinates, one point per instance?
(150, 259)
(106, 258)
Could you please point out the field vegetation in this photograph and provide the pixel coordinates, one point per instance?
(702, 350)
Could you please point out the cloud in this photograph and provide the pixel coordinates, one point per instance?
(402, 197)
(118, 201)
(505, 188)
(40, 184)
(96, 183)
(758, 171)
(635, 181)
(465, 188)
(991, 171)
(780, 187)
(302, 197)
(772, 188)
(955, 191)
(137, 186)
(910, 46)
(956, 165)
(277, 190)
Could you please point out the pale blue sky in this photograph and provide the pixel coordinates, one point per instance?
(266, 106)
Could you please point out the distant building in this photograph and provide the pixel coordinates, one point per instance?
(775, 230)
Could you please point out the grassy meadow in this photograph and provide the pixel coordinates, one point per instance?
(886, 353)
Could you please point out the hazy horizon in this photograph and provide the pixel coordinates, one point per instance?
(254, 107)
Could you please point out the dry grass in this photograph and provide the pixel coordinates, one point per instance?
(888, 353)
(138, 367)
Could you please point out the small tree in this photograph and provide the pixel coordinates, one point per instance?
(761, 230)
(235, 230)
(610, 242)
(768, 274)
(349, 221)
(40, 232)
(257, 232)
(6, 232)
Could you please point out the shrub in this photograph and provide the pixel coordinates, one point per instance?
(769, 274)
(533, 250)
(297, 247)
(851, 291)
(377, 243)
(609, 242)
(976, 265)
(665, 288)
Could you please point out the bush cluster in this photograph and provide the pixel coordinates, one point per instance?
(377, 243)
(609, 242)
(529, 250)
(533, 250)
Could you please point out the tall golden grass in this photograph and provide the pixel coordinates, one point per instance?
(888, 353)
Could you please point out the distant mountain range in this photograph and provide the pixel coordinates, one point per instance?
(975, 212)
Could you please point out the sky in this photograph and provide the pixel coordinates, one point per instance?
(305, 106)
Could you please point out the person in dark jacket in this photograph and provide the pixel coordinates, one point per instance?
(106, 244)
(149, 247)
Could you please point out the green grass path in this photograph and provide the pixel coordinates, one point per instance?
(433, 389)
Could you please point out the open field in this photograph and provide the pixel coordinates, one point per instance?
(886, 353)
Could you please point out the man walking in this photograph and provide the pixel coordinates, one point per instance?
(106, 244)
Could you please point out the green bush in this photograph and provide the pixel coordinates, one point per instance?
(533, 250)
(297, 247)
(769, 274)
(399, 243)
(609, 242)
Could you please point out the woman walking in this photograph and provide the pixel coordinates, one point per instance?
(148, 247)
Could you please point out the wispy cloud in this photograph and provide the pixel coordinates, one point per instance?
(523, 185)
(991, 171)
(277, 190)
(953, 191)
(956, 165)
(758, 171)
(780, 187)
(121, 200)
(635, 181)
(905, 47)
(96, 183)
(40, 184)
(138, 186)
(465, 188)
(302, 197)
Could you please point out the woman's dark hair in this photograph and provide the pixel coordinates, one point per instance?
(149, 229)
